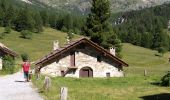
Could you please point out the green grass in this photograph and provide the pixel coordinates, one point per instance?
(6, 72)
(38, 46)
(132, 87)
(140, 59)
(128, 88)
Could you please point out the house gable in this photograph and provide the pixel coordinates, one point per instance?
(76, 46)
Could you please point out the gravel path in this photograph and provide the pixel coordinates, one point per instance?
(13, 87)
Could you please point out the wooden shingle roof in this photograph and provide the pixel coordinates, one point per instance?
(6, 50)
(71, 45)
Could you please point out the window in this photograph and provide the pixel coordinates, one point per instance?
(71, 72)
(98, 58)
(62, 73)
(108, 74)
(72, 59)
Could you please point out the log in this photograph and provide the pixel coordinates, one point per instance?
(64, 93)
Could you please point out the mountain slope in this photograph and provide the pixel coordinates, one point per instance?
(38, 46)
(83, 6)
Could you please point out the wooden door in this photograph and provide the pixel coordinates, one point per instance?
(86, 72)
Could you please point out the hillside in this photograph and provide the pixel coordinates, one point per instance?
(83, 6)
(140, 59)
(137, 57)
(132, 87)
(135, 83)
(38, 46)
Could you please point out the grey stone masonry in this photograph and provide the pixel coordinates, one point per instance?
(84, 57)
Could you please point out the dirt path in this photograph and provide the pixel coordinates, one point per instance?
(13, 87)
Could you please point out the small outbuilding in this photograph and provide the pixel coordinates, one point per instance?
(5, 51)
(81, 58)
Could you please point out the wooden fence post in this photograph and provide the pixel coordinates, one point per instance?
(64, 93)
(145, 72)
(47, 83)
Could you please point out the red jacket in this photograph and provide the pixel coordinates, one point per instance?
(26, 66)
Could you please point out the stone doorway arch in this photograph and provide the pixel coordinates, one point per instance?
(86, 72)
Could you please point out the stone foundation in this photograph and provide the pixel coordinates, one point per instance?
(0, 63)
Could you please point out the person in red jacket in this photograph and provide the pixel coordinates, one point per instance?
(26, 68)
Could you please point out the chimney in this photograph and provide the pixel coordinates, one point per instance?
(112, 51)
(68, 39)
(55, 45)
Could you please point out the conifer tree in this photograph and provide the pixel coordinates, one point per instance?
(97, 20)
(24, 20)
(68, 22)
(98, 26)
(45, 17)
(53, 20)
(1, 16)
(38, 22)
(4, 7)
(9, 16)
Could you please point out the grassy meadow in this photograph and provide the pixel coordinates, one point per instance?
(40, 44)
(140, 59)
(134, 86)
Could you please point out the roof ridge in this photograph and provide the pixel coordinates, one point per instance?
(74, 43)
(6, 49)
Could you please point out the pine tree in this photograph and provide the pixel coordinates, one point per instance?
(1, 16)
(4, 7)
(45, 17)
(97, 20)
(146, 40)
(53, 20)
(68, 22)
(9, 16)
(38, 22)
(98, 26)
(24, 20)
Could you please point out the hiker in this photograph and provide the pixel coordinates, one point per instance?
(26, 67)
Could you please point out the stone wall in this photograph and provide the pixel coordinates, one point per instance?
(86, 57)
(0, 63)
(1, 55)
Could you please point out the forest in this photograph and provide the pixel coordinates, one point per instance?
(147, 28)
(26, 17)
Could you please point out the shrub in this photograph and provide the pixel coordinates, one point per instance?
(7, 30)
(26, 34)
(165, 81)
(24, 57)
(8, 64)
(70, 34)
(162, 50)
(77, 31)
(2, 35)
(64, 29)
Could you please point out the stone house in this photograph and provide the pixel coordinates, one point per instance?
(81, 58)
(5, 51)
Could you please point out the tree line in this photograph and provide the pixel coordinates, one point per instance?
(27, 18)
(146, 28)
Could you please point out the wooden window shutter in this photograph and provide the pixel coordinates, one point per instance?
(72, 59)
